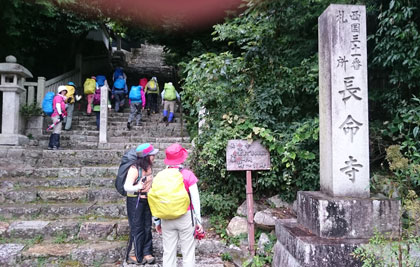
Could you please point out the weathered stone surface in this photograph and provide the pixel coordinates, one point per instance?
(277, 202)
(327, 216)
(296, 246)
(266, 219)
(343, 101)
(3, 228)
(242, 211)
(26, 211)
(262, 243)
(237, 226)
(24, 229)
(9, 253)
(97, 230)
(104, 194)
(68, 227)
(209, 246)
(65, 195)
(68, 172)
(20, 196)
(123, 228)
(239, 255)
(49, 250)
(99, 253)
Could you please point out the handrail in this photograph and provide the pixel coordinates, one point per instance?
(60, 78)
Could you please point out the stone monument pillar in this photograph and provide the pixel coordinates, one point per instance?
(12, 76)
(103, 125)
(331, 223)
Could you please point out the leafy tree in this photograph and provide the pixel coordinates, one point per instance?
(45, 38)
(264, 87)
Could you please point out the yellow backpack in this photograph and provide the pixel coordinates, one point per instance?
(89, 86)
(168, 198)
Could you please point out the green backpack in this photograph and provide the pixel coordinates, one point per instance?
(170, 93)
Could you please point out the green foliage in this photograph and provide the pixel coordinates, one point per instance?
(226, 256)
(28, 111)
(37, 33)
(223, 205)
(398, 41)
(395, 57)
(265, 257)
(244, 98)
(383, 251)
(60, 238)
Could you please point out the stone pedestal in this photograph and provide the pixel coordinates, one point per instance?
(328, 229)
(35, 125)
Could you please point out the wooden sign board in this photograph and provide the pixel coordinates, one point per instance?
(242, 156)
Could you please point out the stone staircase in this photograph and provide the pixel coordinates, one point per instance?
(60, 207)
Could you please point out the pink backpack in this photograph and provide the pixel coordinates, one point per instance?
(97, 97)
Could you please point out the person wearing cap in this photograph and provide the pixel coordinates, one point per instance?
(181, 229)
(152, 93)
(137, 184)
(71, 89)
(59, 107)
(169, 96)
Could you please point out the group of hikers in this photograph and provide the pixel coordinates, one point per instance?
(145, 95)
(171, 198)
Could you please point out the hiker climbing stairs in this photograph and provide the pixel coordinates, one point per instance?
(60, 207)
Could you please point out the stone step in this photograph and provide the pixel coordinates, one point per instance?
(62, 176)
(135, 137)
(96, 253)
(60, 195)
(146, 119)
(62, 210)
(14, 158)
(11, 183)
(65, 230)
(146, 131)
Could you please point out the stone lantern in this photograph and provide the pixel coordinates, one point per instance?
(12, 77)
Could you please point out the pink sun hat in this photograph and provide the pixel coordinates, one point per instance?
(175, 154)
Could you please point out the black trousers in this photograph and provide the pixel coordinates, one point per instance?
(140, 221)
(152, 102)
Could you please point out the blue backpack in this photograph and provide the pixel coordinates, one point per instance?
(119, 84)
(135, 93)
(47, 103)
(100, 79)
(118, 72)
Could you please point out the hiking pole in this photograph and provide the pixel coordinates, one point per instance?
(54, 124)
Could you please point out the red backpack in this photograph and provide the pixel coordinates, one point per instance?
(97, 97)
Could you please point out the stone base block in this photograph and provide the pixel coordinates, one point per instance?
(342, 217)
(13, 139)
(298, 247)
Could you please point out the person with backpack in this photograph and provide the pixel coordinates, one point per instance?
(137, 183)
(183, 228)
(119, 73)
(152, 92)
(137, 103)
(71, 89)
(119, 92)
(97, 99)
(169, 96)
(59, 112)
(89, 89)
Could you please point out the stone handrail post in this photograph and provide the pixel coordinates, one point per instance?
(40, 92)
